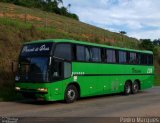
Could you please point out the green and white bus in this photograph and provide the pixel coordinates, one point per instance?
(61, 69)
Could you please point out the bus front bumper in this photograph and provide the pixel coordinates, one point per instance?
(38, 94)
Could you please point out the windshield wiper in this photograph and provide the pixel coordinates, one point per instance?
(58, 58)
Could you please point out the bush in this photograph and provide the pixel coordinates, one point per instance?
(146, 44)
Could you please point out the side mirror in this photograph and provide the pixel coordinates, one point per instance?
(14, 66)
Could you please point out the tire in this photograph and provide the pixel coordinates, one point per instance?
(127, 88)
(71, 94)
(135, 87)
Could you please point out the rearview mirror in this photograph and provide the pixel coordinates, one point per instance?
(14, 66)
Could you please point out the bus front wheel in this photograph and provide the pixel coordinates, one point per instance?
(127, 88)
(71, 94)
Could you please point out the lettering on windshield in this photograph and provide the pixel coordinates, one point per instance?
(35, 49)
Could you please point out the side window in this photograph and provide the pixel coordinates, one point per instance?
(95, 54)
(103, 55)
(143, 59)
(111, 56)
(132, 58)
(56, 73)
(138, 58)
(67, 70)
(122, 56)
(80, 53)
(150, 60)
(87, 54)
(63, 51)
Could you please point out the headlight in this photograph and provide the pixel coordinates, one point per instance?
(42, 89)
(17, 88)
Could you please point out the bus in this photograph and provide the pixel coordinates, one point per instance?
(62, 69)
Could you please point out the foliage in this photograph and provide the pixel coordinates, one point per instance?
(146, 44)
(157, 80)
(123, 32)
(156, 42)
(46, 5)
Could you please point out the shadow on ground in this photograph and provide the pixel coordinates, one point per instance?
(36, 102)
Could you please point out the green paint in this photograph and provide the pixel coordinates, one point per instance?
(94, 78)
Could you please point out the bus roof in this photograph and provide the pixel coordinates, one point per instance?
(86, 43)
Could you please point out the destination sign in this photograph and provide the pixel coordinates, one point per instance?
(36, 49)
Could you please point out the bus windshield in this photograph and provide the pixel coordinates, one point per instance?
(33, 69)
(33, 62)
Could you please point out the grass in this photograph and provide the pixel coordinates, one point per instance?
(62, 24)
(14, 23)
(8, 94)
(157, 80)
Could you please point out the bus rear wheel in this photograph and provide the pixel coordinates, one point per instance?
(135, 87)
(127, 88)
(71, 94)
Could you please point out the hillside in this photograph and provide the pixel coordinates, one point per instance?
(20, 24)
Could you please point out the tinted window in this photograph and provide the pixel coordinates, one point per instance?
(111, 56)
(63, 51)
(138, 58)
(122, 57)
(87, 54)
(67, 70)
(132, 58)
(95, 54)
(56, 71)
(150, 59)
(143, 59)
(34, 69)
(80, 53)
(36, 49)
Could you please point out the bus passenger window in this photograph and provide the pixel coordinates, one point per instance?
(80, 53)
(95, 54)
(87, 54)
(63, 51)
(144, 59)
(138, 58)
(122, 57)
(111, 56)
(132, 58)
(150, 59)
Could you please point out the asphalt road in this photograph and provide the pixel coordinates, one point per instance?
(145, 103)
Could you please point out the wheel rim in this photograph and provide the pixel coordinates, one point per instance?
(128, 88)
(135, 87)
(71, 94)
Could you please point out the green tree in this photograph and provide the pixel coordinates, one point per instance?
(156, 42)
(69, 6)
(46, 5)
(146, 44)
(63, 11)
(122, 34)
